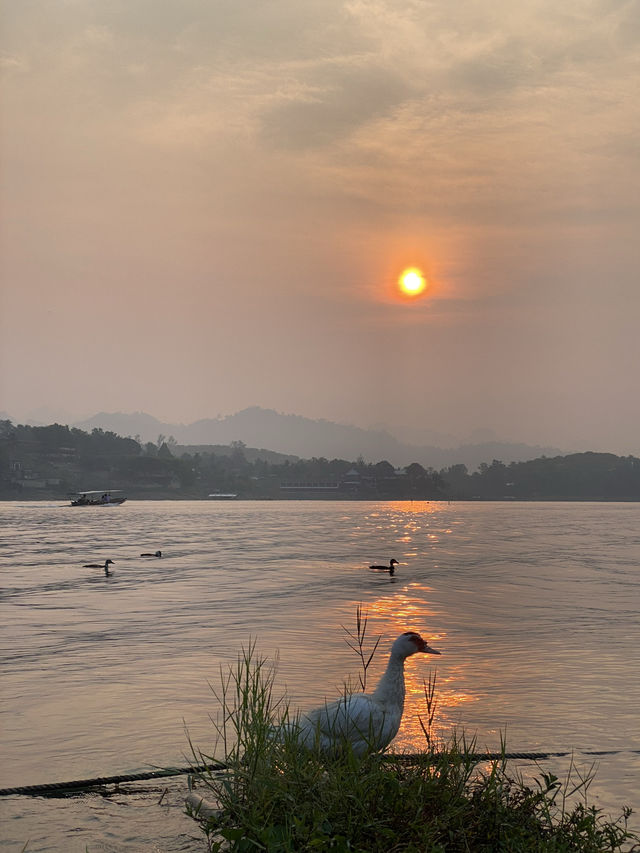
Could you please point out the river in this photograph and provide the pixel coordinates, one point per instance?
(535, 607)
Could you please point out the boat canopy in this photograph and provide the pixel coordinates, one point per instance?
(97, 491)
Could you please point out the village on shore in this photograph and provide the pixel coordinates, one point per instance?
(52, 462)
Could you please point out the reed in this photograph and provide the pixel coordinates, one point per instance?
(279, 797)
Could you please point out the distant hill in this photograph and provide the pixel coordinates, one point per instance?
(129, 424)
(295, 435)
(251, 454)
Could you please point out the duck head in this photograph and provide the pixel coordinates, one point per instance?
(409, 643)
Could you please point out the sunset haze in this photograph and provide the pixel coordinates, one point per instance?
(207, 206)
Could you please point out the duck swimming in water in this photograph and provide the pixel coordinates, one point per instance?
(155, 554)
(106, 565)
(366, 721)
(391, 568)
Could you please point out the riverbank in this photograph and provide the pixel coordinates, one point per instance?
(284, 796)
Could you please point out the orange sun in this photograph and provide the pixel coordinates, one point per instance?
(412, 282)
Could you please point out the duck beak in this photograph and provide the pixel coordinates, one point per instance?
(428, 650)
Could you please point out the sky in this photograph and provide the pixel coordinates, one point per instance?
(206, 205)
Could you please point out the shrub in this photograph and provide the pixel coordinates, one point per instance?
(277, 796)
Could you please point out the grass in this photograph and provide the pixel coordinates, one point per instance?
(279, 797)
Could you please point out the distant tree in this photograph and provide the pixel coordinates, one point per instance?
(186, 472)
(52, 437)
(384, 469)
(456, 480)
(237, 458)
(438, 485)
(164, 452)
(490, 481)
(415, 471)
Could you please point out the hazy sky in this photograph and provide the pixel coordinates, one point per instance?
(206, 205)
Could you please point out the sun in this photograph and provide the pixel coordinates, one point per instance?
(412, 282)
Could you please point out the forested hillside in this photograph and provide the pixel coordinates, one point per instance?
(53, 461)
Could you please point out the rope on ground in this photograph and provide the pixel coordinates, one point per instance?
(86, 784)
(478, 756)
(53, 789)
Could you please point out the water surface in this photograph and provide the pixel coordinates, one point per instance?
(536, 608)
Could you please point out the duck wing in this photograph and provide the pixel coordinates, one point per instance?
(356, 719)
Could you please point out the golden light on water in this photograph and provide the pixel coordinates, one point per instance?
(416, 507)
(404, 611)
(447, 702)
(409, 609)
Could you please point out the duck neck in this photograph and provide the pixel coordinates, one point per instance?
(390, 689)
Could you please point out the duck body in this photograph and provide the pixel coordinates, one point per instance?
(366, 721)
(106, 565)
(155, 554)
(391, 568)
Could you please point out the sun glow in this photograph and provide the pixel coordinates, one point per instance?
(412, 282)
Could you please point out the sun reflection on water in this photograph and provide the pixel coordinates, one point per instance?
(415, 507)
(393, 613)
(447, 703)
(409, 609)
(409, 519)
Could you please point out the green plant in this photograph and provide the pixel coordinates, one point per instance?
(357, 643)
(277, 796)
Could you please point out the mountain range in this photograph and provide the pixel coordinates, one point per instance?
(295, 435)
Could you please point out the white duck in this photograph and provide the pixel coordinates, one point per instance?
(368, 721)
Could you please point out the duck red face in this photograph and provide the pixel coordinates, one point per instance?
(420, 644)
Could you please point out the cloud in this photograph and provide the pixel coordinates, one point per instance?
(233, 171)
(334, 107)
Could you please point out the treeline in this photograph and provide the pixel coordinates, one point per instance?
(52, 461)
